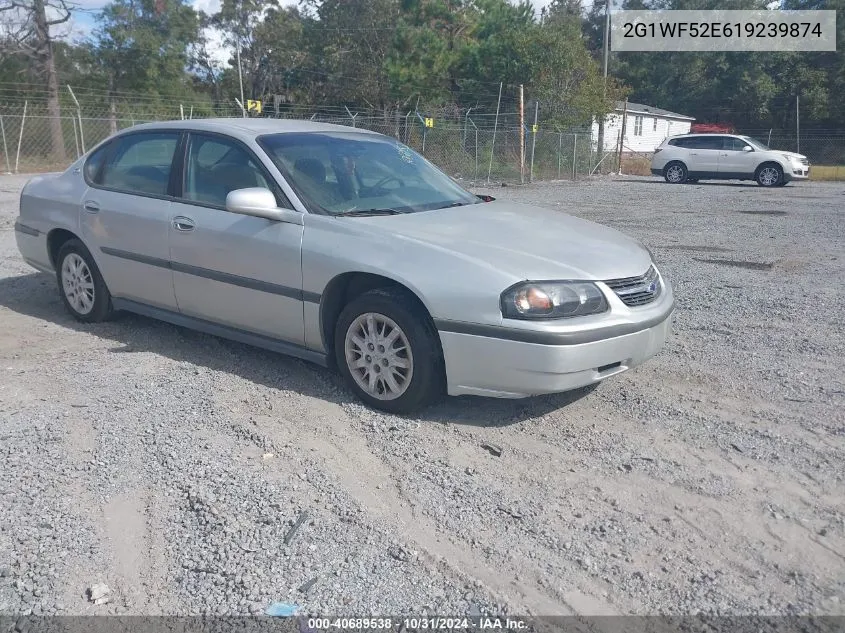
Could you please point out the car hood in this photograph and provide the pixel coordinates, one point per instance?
(524, 241)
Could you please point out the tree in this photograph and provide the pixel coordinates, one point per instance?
(431, 40)
(350, 46)
(565, 78)
(143, 47)
(27, 33)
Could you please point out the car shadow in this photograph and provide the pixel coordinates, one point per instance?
(36, 295)
(704, 183)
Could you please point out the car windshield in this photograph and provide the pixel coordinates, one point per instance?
(352, 172)
(757, 144)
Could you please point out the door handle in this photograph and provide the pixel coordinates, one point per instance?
(181, 223)
(91, 207)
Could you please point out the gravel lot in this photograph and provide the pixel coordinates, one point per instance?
(172, 466)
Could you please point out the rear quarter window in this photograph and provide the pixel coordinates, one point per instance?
(92, 168)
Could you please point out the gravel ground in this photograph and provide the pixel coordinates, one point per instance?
(195, 475)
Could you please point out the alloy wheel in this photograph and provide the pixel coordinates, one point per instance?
(768, 176)
(78, 283)
(675, 173)
(379, 356)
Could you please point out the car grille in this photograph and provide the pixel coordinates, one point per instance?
(637, 291)
(804, 161)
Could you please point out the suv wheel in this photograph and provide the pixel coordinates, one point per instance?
(769, 175)
(675, 173)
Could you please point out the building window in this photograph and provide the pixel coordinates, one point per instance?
(638, 126)
(655, 125)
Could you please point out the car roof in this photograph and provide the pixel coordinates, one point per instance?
(705, 134)
(248, 126)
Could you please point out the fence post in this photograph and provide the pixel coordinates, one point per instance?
(574, 149)
(6, 149)
(20, 137)
(351, 116)
(495, 126)
(75, 138)
(559, 153)
(79, 117)
(476, 154)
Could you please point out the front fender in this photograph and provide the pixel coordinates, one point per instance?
(450, 285)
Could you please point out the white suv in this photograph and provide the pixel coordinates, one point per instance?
(694, 157)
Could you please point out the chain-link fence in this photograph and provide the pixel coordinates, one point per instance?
(479, 149)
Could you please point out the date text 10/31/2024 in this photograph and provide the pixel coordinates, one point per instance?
(417, 624)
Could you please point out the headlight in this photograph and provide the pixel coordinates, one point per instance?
(552, 300)
(791, 159)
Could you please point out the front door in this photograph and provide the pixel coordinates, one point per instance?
(236, 270)
(126, 216)
(736, 161)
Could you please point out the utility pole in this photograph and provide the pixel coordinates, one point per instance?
(238, 55)
(534, 139)
(605, 48)
(797, 125)
(521, 135)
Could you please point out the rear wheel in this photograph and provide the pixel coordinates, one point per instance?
(769, 175)
(387, 350)
(81, 285)
(675, 172)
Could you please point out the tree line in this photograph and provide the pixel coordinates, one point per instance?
(388, 55)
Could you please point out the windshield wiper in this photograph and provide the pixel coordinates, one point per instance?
(454, 204)
(366, 212)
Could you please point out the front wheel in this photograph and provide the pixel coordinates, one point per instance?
(81, 285)
(388, 351)
(769, 175)
(675, 173)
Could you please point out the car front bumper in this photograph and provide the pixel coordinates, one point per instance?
(798, 172)
(503, 368)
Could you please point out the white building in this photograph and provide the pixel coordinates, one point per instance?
(646, 127)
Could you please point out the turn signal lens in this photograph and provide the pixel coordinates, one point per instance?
(532, 299)
(552, 300)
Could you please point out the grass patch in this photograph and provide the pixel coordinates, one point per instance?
(636, 164)
(827, 172)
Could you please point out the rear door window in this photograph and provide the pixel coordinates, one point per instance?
(707, 142)
(141, 163)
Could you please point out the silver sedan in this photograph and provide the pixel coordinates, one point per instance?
(346, 248)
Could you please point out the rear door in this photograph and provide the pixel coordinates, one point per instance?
(126, 215)
(236, 270)
(704, 154)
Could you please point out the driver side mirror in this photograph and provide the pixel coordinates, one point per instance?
(747, 148)
(255, 201)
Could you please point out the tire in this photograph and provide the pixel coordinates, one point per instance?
(675, 172)
(81, 285)
(769, 175)
(782, 183)
(416, 368)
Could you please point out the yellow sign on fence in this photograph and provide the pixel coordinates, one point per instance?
(534, 128)
(253, 106)
(429, 122)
